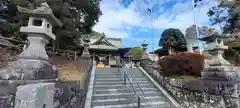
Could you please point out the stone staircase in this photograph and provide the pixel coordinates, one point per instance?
(109, 90)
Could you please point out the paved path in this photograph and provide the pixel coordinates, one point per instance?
(109, 90)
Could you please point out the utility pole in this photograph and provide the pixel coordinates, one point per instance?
(195, 21)
(152, 29)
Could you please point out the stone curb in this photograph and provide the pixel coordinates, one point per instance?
(88, 100)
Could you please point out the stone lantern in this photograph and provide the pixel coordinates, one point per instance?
(219, 76)
(32, 63)
(144, 45)
(218, 67)
(39, 31)
(86, 40)
(145, 54)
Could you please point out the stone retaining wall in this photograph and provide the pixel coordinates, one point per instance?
(199, 93)
(67, 93)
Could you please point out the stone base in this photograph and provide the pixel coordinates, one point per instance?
(85, 55)
(39, 95)
(221, 68)
(30, 69)
(226, 76)
(67, 93)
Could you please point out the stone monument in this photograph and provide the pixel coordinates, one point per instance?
(32, 63)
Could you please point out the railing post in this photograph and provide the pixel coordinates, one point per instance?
(139, 102)
(124, 78)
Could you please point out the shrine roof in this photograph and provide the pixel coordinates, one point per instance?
(106, 43)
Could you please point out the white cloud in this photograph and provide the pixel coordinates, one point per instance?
(117, 17)
(185, 18)
(114, 17)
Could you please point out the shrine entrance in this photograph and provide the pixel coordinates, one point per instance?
(102, 60)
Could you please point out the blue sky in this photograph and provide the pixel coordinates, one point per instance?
(131, 20)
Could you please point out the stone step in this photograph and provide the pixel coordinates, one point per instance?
(119, 79)
(126, 88)
(130, 90)
(132, 105)
(126, 100)
(119, 86)
(106, 77)
(123, 95)
(120, 82)
(118, 75)
(107, 70)
(109, 76)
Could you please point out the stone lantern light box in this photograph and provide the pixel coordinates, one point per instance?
(40, 21)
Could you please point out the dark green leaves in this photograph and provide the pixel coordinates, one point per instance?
(172, 38)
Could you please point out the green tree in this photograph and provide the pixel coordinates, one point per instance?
(96, 34)
(137, 53)
(172, 39)
(77, 16)
(223, 14)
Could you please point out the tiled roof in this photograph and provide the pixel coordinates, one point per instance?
(106, 43)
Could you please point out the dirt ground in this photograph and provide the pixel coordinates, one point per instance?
(68, 69)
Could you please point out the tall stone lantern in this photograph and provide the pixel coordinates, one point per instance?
(145, 56)
(144, 45)
(32, 63)
(219, 76)
(218, 67)
(86, 40)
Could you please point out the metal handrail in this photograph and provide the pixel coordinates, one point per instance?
(133, 78)
(129, 78)
(137, 84)
(134, 89)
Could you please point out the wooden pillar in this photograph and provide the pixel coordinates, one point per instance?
(109, 57)
(93, 56)
(75, 56)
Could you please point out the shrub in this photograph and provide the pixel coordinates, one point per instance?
(184, 63)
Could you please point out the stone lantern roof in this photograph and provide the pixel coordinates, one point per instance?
(41, 12)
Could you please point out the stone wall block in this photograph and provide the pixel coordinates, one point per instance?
(39, 95)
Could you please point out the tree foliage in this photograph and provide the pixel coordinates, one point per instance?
(137, 53)
(173, 38)
(96, 34)
(77, 16)
(223, 15)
